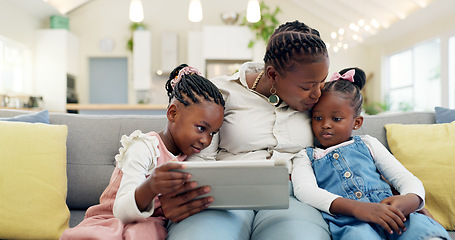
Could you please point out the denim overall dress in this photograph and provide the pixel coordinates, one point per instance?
(350, 172)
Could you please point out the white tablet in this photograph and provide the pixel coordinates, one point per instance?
(259, 184)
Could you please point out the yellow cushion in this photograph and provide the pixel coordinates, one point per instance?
(428, 150)
(32, 180)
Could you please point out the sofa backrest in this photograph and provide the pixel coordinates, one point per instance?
(94, 140)
(92, 143)
(374, 124)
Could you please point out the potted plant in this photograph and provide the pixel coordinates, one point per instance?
(133, 27)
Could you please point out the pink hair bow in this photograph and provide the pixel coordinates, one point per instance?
(185, 70)
(349, 76)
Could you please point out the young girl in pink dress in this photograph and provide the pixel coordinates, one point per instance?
(129, 206)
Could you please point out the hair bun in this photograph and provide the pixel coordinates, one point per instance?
(359, 76)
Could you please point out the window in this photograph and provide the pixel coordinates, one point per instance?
(414, 78)
(15, 67)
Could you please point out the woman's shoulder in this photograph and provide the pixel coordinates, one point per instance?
(141, 142)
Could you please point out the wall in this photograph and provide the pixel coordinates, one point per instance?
(18, 25)
(106, 18)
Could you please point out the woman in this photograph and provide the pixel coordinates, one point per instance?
(266, 107)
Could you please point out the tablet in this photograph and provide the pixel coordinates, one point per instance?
(259, 184)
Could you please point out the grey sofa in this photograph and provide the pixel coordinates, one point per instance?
(94, 140)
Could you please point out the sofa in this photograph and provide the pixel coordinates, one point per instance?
(94, 140)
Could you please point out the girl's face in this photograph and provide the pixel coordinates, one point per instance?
(333, 119)
(301, 87)
(192, 127)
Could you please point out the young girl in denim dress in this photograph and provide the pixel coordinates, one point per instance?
(344, 176)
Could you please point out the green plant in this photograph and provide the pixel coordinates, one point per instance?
(264, 27)
(375, 108)
(133, 27)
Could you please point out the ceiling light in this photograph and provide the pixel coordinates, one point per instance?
(253, 11)
(136, 11)
(361, 22)
(341, 31)
(195, 11)
(421, 3)
(333, 35)
(375, 23)
(352, 26)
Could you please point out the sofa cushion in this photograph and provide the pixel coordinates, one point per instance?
(32, 180)
(36, 117)
(427, 151)
(444, 115)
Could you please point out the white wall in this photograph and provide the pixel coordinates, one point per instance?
(18, 25)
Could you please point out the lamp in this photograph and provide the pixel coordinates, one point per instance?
(253, 11)
(195, 11)
(136, 11)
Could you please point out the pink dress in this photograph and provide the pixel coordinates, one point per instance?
(100, 222)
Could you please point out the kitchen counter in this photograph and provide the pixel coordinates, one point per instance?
(118, 109)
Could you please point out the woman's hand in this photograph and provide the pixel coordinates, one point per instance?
(405, 203)
(181, 204)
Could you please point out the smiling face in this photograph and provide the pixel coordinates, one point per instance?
(191, 128)
(301, 86)
(333, 119)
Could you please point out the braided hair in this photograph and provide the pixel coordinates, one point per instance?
(294, 42)
(295, 26)
(191, 88)
(350, 90)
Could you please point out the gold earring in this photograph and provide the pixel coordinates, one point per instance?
(273, 99)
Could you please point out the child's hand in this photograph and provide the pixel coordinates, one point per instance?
(405, 203)
(387, 216)
(163, 181)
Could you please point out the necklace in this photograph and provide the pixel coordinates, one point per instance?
(255, 84)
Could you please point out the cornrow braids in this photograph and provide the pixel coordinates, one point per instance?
(350, 90)
(192, 88)
(287, 47)
(295, 26)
